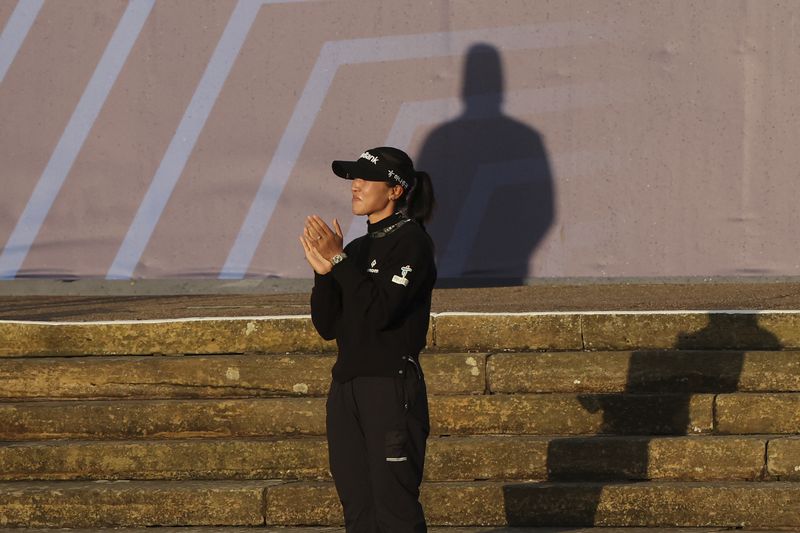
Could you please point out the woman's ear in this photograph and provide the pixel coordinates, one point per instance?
(396, 192)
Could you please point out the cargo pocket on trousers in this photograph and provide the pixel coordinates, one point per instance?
(396, 446)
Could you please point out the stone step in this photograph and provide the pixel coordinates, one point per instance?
(643, 504)
(91, 504)
(327, 529)
(255, 375)
(322, 529)
(783, 458)
(688, 458)
(86, 504)
(217, 376)
(535, 414)
(234, 529)
(241, 529)
(644, 371)
(454, 332)
(752, 412)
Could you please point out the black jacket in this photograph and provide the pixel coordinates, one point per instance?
(376, 303)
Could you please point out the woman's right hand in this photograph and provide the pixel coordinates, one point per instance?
(320, 265)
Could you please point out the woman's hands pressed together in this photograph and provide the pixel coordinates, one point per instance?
(321, 243)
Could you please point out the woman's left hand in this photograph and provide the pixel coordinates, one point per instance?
(328, 242)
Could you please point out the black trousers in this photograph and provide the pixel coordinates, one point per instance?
(377, 428)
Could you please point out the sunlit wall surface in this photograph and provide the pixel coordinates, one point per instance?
(189, 138)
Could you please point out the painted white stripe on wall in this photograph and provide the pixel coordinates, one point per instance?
(17, 28)
(73, 137)
(183, 142)
(280, 167)
(393, 48)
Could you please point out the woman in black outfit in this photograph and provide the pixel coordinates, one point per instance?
(374, 297)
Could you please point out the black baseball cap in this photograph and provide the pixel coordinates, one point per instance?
(378, 164)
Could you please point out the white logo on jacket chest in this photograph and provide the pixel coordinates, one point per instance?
(401, 280)
(372, 268)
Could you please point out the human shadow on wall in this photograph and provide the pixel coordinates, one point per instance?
(493, 185)
(666, 394)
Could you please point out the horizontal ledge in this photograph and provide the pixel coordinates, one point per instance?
(433, 315)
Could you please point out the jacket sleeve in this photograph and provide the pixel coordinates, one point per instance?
(403, 273)
(326, 305)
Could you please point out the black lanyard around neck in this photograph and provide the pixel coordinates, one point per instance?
(388, 229)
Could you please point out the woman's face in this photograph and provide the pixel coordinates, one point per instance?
(371, 197)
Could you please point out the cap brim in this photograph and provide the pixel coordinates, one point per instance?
(358, 169)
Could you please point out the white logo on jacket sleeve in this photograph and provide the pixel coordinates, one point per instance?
(401, 280)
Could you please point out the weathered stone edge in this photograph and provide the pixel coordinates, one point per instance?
(308, 375)
(183, 459)
(515, 414)
(613, 330)
(458, 503)
(648, 504)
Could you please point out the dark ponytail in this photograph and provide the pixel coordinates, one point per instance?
(420, 200)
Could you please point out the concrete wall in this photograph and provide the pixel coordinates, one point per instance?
(189, 138)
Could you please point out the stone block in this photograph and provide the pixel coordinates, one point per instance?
(684, 458)
(655, 504)
(773, 371)
(782, 326)
(137, 419)
(196, 376)
(687, 331)
(445, 504)
(762, 413)
(76, 504)
(644, 371)
(463, 373)
(486, 457)
(570, 414)
(498, 457)
(512, 373)
(645, 504)
(212, 376)
(306, 503)
(242, 529)
(463, 503)
(187, 336)
(507, 332)
(783, 458)
(511, 457)
(178, 459)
